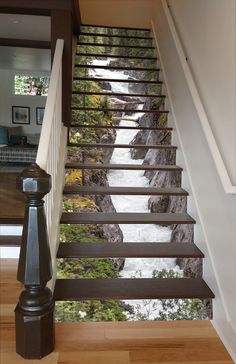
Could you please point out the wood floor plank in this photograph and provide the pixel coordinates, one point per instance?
(12, 201)
(92, 357)
(210, 350)
(13, 358)
(6, 313)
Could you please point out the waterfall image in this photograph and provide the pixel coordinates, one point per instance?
(134, 267)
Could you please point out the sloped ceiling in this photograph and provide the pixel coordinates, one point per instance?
(123, 13)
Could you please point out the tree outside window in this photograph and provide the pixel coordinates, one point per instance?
(29, 85)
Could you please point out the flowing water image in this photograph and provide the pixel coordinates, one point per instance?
(134, 267)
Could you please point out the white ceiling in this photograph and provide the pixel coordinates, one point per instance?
(14, 58)
(25, 27)
(29, 27)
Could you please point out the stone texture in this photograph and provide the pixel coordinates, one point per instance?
(108, 138)
(105, 85)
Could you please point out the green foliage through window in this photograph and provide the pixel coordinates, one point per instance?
(29, 85)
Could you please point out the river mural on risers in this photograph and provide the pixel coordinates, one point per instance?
(141, 267)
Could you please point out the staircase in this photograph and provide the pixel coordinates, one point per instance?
(144, 288)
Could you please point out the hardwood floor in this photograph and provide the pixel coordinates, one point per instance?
(172, 342)
(11, 200)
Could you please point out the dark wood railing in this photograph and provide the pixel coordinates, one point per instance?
(34, 313)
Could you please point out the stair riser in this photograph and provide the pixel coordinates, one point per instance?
(93, 79)
(74, 126)
(112, 94)
(94, 55)
(107, 45)
(103, 35)
(118, 68)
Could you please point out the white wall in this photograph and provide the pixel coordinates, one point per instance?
(8, 99)
(213, 209)
(208, 33)
(126, 13)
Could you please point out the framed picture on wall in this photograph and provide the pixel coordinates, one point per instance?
(20, 115)
(39, 115)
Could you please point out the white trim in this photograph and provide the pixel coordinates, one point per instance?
(229, 188)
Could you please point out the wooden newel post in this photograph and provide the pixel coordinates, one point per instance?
(34, 313)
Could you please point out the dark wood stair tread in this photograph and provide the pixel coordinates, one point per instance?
(79, 126)
(92, 44)
(10, 240)
(116, 80)
(134, 167)
(125, 218)
(114, 36)
(116, 94)
(108, 145)
(106, 190)
(95, 55)
(129, 250)
(131, 288)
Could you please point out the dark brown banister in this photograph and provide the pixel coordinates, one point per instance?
(34, 313)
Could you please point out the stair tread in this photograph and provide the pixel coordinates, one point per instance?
(114, 56)
(131, 288)
(106, 190)
(161, 167)
(116, 80)
(112, 145)
(115, 94)
(119, 127)
(10, 240)
(125, 218)
(129, 250)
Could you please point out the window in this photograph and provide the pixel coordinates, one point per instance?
(30, 85)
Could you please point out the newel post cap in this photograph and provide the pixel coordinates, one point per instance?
(34, 180)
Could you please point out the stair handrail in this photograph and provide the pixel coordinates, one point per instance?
(228, 186)
(52, 149)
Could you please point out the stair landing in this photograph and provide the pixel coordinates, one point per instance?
(148, 342)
